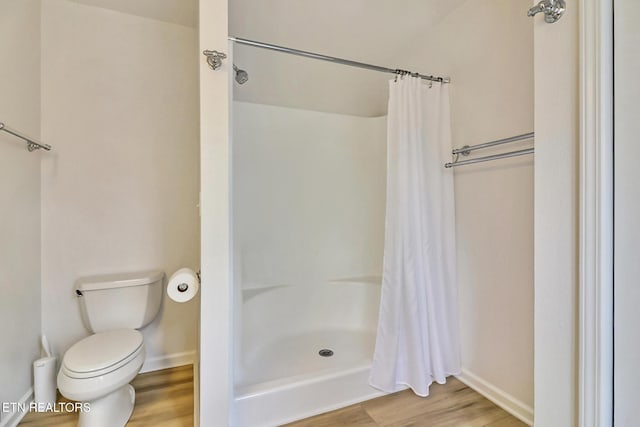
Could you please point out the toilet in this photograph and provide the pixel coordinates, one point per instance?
(97, 370)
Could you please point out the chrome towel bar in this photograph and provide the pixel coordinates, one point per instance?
(466, 150)
(31, 144)
(488, 158)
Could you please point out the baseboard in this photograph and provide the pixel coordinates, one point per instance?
(168, 361)
(504, 400)
(12, 419)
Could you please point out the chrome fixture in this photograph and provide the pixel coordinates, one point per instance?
(466, 150)
(241, 75)
(336, 60)
(214, 58)
(488, 158)
(552, 9)
(31, 144)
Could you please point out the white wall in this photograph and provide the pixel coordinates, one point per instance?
(627, 212)
(19, 196)
(309, 196)
(556, 219)
(183, 12)
(120, 193)
(487, 50)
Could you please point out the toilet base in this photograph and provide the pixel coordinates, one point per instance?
(112, 410)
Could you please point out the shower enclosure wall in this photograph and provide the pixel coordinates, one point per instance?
(308, 206)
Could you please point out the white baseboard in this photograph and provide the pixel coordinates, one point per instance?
(12, 419)
(504, 400)
(168, 361)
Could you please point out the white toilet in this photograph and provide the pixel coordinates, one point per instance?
(97, 369)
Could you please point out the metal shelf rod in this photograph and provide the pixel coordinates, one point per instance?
(488, 158)
(467, 149)
(31, 144)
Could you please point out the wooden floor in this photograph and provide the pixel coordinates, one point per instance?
(165, 398)
(451, 404)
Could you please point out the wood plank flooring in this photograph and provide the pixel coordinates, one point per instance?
(450, 404)
(165, 398)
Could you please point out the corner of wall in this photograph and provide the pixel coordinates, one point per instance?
(506, 401)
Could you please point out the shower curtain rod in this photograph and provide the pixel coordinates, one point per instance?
(336, 60)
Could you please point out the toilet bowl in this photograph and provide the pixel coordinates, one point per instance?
(97, 370)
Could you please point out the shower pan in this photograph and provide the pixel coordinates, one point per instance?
(305, 351)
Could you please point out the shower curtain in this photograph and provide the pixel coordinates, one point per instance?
(418, 339)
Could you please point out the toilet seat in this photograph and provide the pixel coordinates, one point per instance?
(96, 387)
(102, 353)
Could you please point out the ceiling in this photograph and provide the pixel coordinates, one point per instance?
(370, 31)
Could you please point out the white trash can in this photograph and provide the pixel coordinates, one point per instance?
(44, 382)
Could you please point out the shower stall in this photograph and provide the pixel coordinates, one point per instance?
(308, 208)
(308, 205)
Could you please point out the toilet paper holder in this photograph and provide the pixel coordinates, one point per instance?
(184, 287)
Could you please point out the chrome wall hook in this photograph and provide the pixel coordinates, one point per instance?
(552, 9)
(214, 58)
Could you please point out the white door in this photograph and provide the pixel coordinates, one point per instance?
(215, 384)
(627, 213)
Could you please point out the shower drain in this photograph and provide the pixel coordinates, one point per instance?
(325, 352)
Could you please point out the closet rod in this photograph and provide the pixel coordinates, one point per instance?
(336, 60)
(31, 144)
(467, 149)
(488, 158)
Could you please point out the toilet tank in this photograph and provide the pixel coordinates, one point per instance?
(115, 301)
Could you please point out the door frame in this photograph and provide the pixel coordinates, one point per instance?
(595, 364)
(214, 388)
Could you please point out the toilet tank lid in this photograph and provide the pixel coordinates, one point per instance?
(120, 280)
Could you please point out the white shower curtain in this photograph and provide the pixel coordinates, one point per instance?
(418, 339)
